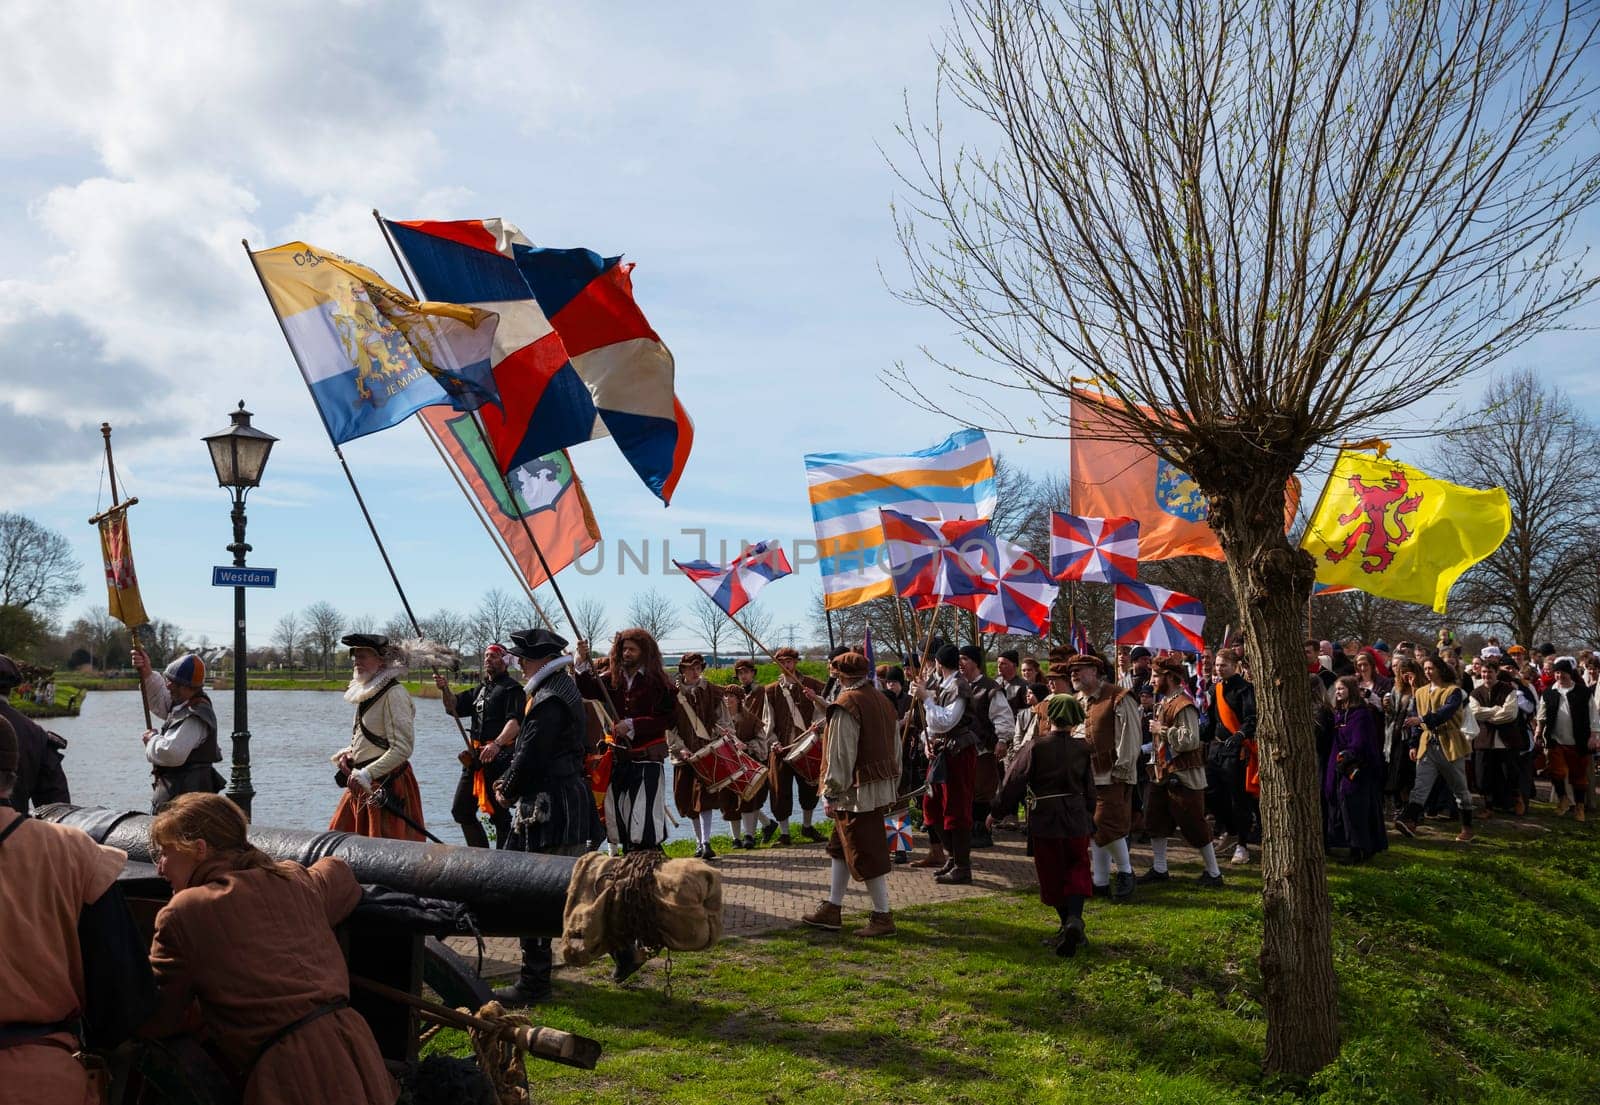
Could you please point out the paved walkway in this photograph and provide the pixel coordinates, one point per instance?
(772, 888)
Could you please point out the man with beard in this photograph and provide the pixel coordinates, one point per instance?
(793, 703)
(495, 709)
(545, 783)
(646, 707)
(700, 716)
(378, 759)
(184, 752)
(1113, 728)
(995, 721)
(1177, 777)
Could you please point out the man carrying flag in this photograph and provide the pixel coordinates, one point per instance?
(495, 709)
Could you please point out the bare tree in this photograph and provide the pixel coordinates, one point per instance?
(399, 627)
(95, 630)
(498, 614)
(1529, 438)
(654, 613)
(590, 615)
(759, 621)
(363, 623)
(324, 626)
(712, 627)
(286, 638)
(1259, 229)
(447, 628)
(37, 569)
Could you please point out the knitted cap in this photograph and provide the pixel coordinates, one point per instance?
(187, 670)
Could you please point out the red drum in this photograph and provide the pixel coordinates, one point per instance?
(711, 768)
(724, 765)
(805, 757)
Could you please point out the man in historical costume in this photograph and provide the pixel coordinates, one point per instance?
(793, 705)
(952, 746)
(65, 928)
(995, 721)
(494, 708)
(742, 720)
(41, 780)
(1229, 734)
(646, 707)
(1501, 740)
(1569, 725)
(544, 782)
(1177, 777)
(1053, 773)
(861, 774)
(700, 717)
(381, 797)
(1008, 674)
(1113, 728)
(184, 751)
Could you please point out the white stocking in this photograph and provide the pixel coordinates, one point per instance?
(1119, 852)
(748, 823)
(805, 818)
(698, 829)
(1100, 861)
(841, 879)
(706, 824)
(1158, 854)
(1209, 855)
(878, 891)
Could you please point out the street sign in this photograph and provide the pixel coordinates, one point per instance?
(244, 577)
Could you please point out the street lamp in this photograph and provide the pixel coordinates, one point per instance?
(239, 454)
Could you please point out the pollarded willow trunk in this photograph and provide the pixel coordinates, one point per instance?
(1272, 582)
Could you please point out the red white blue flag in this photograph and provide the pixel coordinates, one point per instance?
(1094, 550)
(577, 359)
(1158, 618)
(934, 562)
(732, 585)
(1024, 592)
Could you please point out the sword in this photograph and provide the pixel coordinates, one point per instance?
(390, 804)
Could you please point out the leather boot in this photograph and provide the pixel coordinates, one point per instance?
(521, 993)
(878, 924)
(959, 872)
(826, 916)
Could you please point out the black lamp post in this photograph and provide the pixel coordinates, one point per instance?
(239, 454)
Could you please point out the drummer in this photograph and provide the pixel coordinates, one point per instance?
(742, 710)
(700, 715)
(792, 704)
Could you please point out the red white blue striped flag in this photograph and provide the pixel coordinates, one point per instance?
(1094, 550)
(1158, 618)
(934, 562)
(732, 585)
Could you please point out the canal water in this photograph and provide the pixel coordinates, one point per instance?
(292, 734)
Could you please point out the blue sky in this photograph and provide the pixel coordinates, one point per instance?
(732, 153)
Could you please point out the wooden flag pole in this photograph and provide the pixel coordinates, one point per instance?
(350, 477)
(544, 565)
(122, 507)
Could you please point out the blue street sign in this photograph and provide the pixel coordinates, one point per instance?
(244, 577)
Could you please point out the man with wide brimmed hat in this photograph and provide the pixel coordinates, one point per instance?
(861, 774)
(544, 782)
(376, 764)
(1177, 798)
(184, 751)
(494, 709)
(1114, 729)
(793, 707)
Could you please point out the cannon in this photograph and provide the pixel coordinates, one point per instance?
(393, 946)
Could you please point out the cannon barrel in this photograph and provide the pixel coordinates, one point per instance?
(509, 893)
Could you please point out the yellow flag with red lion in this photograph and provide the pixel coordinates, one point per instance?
(1393, 530)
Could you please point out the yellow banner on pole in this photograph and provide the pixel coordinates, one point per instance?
(1393, 530)
(122, 585)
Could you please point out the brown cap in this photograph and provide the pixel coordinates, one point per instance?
(1086, 660)
(1060, 654)
(1174, 668)
(851, 665)
(744, 665)
(8, 746)
(1059, 670)
(691, 658)
(736, 689)
(786, 653)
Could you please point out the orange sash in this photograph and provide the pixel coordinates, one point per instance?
(1230, 720)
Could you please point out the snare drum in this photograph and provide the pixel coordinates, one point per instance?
(805, 757)
(752, 774)
(711, 767)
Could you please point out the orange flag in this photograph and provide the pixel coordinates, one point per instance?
(548, 494)
(1114, 475)
(122, 585)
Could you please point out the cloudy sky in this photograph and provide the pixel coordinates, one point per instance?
(732, 153)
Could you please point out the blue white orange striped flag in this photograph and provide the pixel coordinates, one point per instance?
(954, 479)
(1094, 550)
(732, 585)
(938, 563)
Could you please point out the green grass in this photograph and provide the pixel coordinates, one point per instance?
(1466, 975)
(27, 707)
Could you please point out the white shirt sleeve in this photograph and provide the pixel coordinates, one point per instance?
(1000, 715)
(171, 749)
(942, 719)
(157, 695)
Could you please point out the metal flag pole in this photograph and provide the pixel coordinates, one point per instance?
(348, 475)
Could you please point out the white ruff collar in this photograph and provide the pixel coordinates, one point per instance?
(360, 690)
(556, 664)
